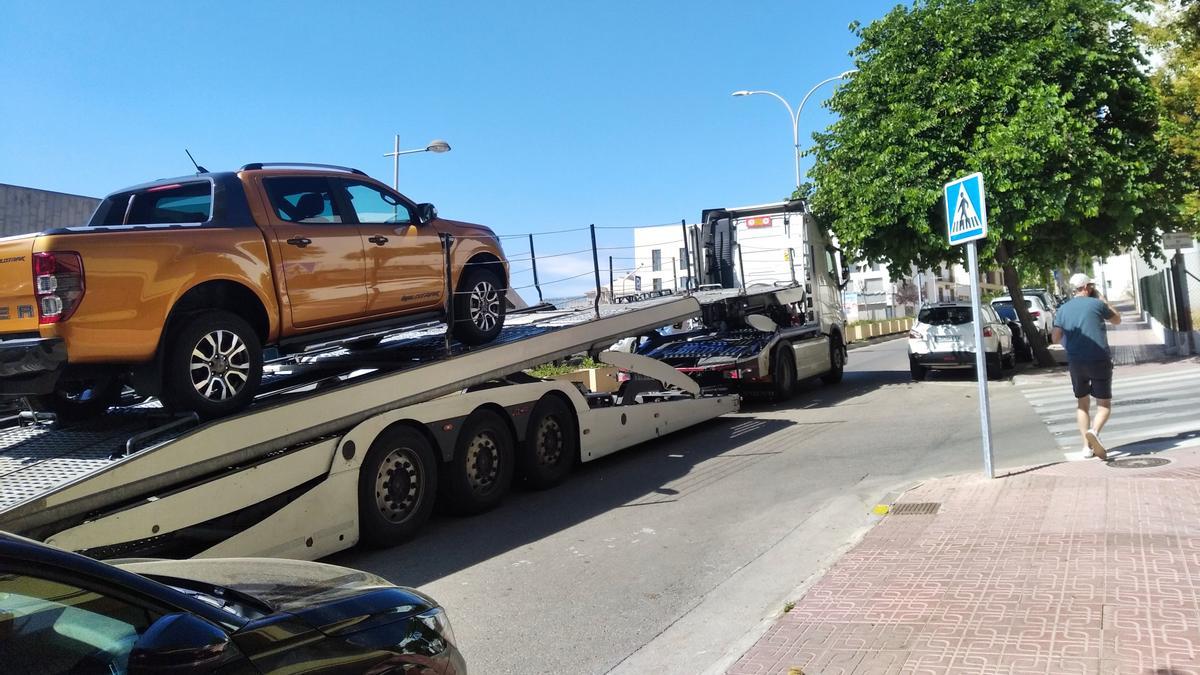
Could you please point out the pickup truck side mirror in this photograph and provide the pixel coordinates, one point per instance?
(181, 643)
(426, 213)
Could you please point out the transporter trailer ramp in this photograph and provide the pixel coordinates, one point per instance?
(348, 446)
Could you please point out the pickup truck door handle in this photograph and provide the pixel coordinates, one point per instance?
(299, 241)
(378, 239)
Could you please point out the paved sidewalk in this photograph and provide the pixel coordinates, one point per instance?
(1079, 567)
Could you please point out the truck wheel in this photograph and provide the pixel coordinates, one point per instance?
(77, 399)
(213, 365)
(918, 371)
(478, 306)
(551, 444)
(837, 361)
(397, 486)
(783, 372)
(482, 469)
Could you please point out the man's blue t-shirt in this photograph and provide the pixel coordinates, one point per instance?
(1082, 322)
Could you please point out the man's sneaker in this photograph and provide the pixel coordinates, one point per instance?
(1094, 443)
(1087, 452)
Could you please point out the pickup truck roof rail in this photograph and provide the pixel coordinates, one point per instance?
(254, 166)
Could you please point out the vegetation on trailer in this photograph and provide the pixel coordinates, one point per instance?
(1051, 101)
(563, 367)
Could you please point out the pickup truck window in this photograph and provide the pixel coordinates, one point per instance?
(372, 205)
(303, 199)
(180, 203)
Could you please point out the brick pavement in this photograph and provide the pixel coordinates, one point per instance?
(1075, 567)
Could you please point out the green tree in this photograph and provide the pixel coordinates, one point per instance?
(1047, 98)
(1173, 31)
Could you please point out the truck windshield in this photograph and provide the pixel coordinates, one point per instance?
(176, 203)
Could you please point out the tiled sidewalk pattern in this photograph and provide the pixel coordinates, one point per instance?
(1073, 568)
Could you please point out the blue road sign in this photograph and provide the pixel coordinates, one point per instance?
(966, 210)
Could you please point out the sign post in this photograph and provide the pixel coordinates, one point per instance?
(966, 222)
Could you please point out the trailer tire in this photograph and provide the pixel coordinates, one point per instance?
(783, 372)
(397, 487)
(221, 347)
(482, 469)
(551, 444)
(837, 360)
(478, 306)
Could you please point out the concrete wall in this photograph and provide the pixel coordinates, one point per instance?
(24, 210)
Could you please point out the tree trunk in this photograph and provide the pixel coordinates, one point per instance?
(1032, 334)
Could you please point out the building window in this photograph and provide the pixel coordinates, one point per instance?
(657, 284)
(655, 260)
(683, 259)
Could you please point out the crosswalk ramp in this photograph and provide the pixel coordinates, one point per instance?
(1151, 412)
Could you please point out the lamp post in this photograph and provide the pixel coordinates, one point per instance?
(795, 116)
(436, 145)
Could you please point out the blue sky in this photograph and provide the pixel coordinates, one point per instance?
(560, 114)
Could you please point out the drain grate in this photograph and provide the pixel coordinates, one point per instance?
(915, 508)
(1138, 462)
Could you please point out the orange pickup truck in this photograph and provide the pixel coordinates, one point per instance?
(175, 287)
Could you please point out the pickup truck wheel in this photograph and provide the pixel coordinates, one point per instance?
(837, 361)
(783, 373)
(213, 365)
(77, 399)
(551, 444)
(482, 469)
(397, 486)
(478, 306)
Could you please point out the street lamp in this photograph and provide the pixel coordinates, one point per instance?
(436, 145)
(795, 117)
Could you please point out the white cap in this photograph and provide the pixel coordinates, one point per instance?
(1080, 280)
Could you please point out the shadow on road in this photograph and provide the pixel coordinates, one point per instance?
(638, 477)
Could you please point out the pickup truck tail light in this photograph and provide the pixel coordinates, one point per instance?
(58, 285)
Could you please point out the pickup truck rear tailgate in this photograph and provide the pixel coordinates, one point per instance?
(18, 311)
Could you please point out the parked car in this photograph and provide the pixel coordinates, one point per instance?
(61, 612)
(1048, 299)
(175, 287)
(1041, 313)
(1021, 344)
(943, 338)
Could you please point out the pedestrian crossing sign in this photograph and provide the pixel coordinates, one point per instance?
(966, 211)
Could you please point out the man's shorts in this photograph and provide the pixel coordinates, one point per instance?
(1091, 378)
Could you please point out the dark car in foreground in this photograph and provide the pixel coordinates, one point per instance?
(65, 613)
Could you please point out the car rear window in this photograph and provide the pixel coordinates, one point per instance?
(942, 316)
(175, 203)
(1005, 310)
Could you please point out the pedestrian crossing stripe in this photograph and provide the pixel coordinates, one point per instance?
(1152, 412)
(966, 209)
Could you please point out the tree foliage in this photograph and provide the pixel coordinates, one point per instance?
(1174, 32)
(1049, 99)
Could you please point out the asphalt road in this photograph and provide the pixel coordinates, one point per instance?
(669, 557)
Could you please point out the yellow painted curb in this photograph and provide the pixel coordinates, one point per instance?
(881, 509)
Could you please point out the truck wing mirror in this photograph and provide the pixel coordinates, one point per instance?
(426, 213)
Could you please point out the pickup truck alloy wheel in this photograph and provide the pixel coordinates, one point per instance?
(485, 306)
(551, 444)
(397, 486)
(213, 364)
(482, 470)
(478, 311)
(220, 365)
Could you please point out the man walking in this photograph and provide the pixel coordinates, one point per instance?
(1079, 327)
